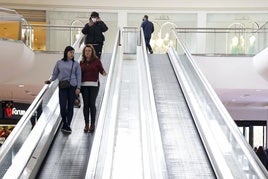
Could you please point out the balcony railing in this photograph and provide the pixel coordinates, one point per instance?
(224, 41)
(40, 36)
(207, 41)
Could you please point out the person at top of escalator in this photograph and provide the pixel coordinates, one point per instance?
(148, 29)
(91, 67)
(94, 30)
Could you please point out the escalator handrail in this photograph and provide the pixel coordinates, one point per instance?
(18, 129)
(95, 149)
(151, 130)
(46, 92)
(224, 116)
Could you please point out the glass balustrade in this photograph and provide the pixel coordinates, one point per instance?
(224, 41)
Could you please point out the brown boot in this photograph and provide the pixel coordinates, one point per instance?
(86, 129)
(92, 128)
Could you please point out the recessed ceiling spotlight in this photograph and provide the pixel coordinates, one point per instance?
(28, 92)
(245, 95)
(21, 86)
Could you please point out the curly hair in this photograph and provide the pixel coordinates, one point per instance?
(93, 54)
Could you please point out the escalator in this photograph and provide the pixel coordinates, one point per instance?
(147, 123)
(67, 155)
(134, 144)
(30, 153)
(158, 118)
(127, 143)
(167, 123)
(184, 152)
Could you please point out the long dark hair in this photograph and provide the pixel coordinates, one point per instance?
(67, 49)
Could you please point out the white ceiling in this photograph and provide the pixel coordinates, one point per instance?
(31, 81)
(237, 83)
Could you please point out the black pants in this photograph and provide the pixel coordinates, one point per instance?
(147, 42)
(66, 99)
(89, 94)
(98, 49)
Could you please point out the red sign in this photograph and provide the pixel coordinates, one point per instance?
(8, 111)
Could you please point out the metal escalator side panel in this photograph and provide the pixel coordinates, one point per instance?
(212, 120)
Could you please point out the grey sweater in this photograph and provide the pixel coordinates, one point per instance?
(63, 69)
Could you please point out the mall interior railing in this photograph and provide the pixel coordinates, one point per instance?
(46, 35)
(13, 20)
(207, 41)
(262, 37)
(224, 41)
(40, 37)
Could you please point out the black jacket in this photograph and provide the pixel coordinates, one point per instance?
(148, 28)
(94, 33)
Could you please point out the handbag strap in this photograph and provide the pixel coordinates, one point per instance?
(71, 71)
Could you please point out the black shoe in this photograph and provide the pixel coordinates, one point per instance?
(151, 52)
(66, 129)
(63, 129)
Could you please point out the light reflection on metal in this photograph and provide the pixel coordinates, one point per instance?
(161, 42)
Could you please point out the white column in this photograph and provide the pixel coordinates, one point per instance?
(201, 38)
(122, 19)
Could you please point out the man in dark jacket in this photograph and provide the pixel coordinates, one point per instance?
(148, 29)
(94, 32)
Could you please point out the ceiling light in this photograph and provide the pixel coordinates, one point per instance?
(21, 86)
(245, 95)
(28, 92)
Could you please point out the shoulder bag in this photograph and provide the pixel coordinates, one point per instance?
(63, 84)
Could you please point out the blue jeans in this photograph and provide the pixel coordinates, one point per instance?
(66, 99)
